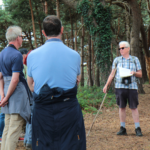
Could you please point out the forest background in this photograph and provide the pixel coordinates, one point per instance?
(93, 28)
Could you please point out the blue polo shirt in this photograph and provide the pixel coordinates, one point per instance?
(11, 61)
(54, 64)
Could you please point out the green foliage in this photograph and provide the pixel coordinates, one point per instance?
(17, 12)
(90, 98)
(147, 82)
(97, 19)
(5, 21)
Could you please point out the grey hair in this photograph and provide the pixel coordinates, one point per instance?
(124, 42)
(13, 32)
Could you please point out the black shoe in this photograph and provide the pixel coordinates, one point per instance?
(122, 131)
(138, 132)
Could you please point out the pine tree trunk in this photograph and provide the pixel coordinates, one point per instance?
(57, 9)
(67, 39)
(148, 40)
(111, 53)
(71, 22)
(128, 28)
(143, 65)
(40, 27)
(33, 24)
(117, 52)
(93, 63)
(76, 46)
(46, 10)
(76, 41)
(146, 49)
(63, 39)
(148, 67)
(29, 39)
(89, 63)
(146, 43)
(136, 24)
(82, 55)
(97, 77)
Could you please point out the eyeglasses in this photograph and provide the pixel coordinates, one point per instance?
(122, 48)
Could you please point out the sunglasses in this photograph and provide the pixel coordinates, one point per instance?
(122, 48)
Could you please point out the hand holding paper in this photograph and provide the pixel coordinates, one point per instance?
(124, 72)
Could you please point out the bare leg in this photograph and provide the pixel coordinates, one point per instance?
(135, 115)
(122, 114)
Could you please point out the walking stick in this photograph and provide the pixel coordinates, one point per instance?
(101, 104)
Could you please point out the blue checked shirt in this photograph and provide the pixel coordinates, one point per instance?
(131, 63)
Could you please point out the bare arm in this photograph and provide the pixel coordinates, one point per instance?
(78, 79)
(1, 86)
(30, 83)
(13, 84)
(110, 78)
(138, 73)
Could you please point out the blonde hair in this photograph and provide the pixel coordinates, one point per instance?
(13, 32)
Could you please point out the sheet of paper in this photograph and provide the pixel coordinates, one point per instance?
(124, 72)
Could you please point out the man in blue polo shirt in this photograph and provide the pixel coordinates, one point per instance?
(14, 95)
(53, 72)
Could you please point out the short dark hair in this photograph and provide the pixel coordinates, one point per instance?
(52, 25)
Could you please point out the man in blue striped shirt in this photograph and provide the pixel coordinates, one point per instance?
(126, 88)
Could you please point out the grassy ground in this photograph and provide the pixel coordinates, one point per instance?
(90, 99)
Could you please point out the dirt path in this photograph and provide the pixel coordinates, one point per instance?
(103, 135)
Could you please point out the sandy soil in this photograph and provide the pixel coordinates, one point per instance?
(103, 135)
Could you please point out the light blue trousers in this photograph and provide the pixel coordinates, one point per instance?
(28, 134)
